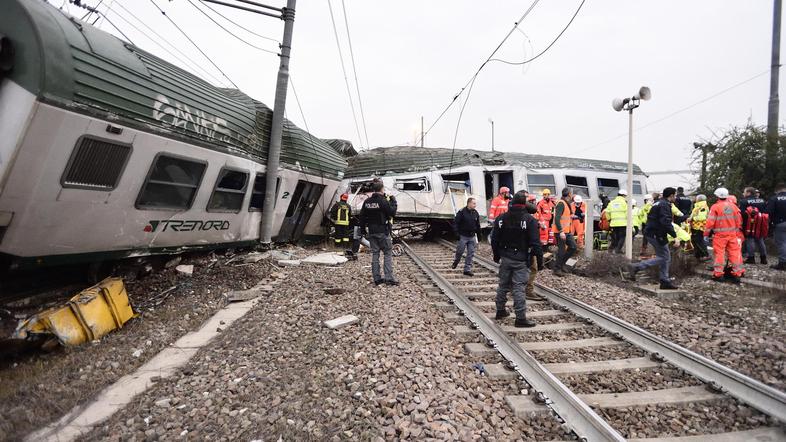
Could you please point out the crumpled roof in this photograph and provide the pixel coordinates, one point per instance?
(344, 147)
(406, 159)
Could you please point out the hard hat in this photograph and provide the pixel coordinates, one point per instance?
(546, 192)
(531, 197)
(622, 192)
(344, 197)
(722, 192)
(633, 201)
(504, 189)
(578, 199)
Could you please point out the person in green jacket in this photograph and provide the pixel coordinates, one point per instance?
(636, 218)
(617, 214)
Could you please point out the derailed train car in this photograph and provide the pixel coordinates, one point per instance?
(107, 151)
(431, 184)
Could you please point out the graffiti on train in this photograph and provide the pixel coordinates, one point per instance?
(185, 226)
(192, 120)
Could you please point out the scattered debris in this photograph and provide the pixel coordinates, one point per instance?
(255, 257)
(335, 290)
(86, 317)
(137, 353)
(173, 262)
(342, 321)
(289, 262)
(327, 259)
(185, 269)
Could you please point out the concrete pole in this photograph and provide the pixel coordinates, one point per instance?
(589, 229)
(492, 135)
(422, 133)
(629, 227)
(277, 127)
(774, 102)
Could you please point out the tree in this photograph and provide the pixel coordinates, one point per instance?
(738, 159)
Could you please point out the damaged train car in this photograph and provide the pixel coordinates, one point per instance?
(107, 151)
(431, 184)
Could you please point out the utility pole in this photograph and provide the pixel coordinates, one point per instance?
(772, 115)
(277, 126)
(422, 133)
(492, 134)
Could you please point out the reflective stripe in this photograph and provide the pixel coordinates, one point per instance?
(725, 229)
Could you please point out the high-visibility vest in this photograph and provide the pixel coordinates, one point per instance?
(699, 215)
(499, 205)
(637, 217)
(617, 211)
(342, 215)
(546, 209)
(724, 219)
(682, 235)
(565, 221)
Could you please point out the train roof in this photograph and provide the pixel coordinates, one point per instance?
(405, 159)
(71, 64)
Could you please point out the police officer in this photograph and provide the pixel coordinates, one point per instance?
(750, 206)
(467, 226)
(684, 204)
(375, 216)
(776, 208)
(339, 215)
(514, 238)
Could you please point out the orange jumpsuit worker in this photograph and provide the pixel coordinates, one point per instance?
(724, 222)
(579, 214)
(545, 212)
(499, 204)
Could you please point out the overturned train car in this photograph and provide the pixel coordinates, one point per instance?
(431, 184)
(107, 151)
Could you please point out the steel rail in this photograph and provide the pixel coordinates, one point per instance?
(574, 412)
(742, 387)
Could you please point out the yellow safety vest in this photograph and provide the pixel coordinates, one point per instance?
(617, 212)
(342, 217)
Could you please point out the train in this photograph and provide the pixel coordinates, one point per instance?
(431, 184)
(109, 152)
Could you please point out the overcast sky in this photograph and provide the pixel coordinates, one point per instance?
(412, 57)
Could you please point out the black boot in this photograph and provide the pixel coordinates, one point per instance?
(779, 266)
(668, 285)
(454, 265)
(763, 259)
(524, 323)
(632, 270)
(750, 260)
(502, 314)
(469, 273)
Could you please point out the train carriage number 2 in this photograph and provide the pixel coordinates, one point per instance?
(285, 195)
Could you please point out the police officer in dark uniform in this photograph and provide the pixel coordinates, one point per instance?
(776, 208)
(515, 237)
(758, 205)
(684, 204)
(375, 216)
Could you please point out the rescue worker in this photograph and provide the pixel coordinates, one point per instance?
(658, 228)
(514, 239)
(499, 204)
(636, 217)
(684, 204)
(467, 227)
(566, 245)
(579, 214)
(617, 214)
(698, 220)
(339, 215)
(545, 209)
(753, 209)
(375, 216)
(535, 262)
(776, 209)
(724, 223)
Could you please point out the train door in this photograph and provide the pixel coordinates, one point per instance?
(494, 180)
(304, 199)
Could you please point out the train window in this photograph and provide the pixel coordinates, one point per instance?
(360, 186)
(258, 193)
(537, 183)
(578, 184)
(95, 164)
(608, 187)
(229, 192)
(172, 183)
(457, 181)
(637, 188)
(413, 185)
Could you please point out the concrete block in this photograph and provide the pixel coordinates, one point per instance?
(571, 262)
(184, 269)
(325, 259)
(524, 406)
(654, 289)
(289, 262)
(342, 321)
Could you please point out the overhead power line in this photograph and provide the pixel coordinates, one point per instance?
(238, 24)
(344, 70)
(101, 14)
(194, 44)
(355, 71)
(230, 32)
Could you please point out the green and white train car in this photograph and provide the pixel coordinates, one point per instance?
(107, 151)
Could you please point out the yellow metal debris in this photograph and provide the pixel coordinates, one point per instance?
(88, 316)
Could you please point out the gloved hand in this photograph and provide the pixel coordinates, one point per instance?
(496, 259)
(391, 198)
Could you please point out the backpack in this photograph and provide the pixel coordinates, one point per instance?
(757, 224)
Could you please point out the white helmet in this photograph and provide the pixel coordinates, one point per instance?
(578, 199)
(622, 192)
(633, 201)
(722, 192)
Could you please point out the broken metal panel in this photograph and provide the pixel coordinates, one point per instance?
(88, 316)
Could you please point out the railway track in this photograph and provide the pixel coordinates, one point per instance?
(606, 379)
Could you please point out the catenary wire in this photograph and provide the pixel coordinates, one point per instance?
(194, 44)
(344, 70)
(228, 31)
(310, 139)
(101, 14)
(237, 24)
(355, 71)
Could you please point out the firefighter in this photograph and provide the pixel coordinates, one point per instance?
(339, 215)
(754, 220)
(579, 215)
(698, 220)
(513, 240)
(545, 209)
(467, 227)
(617, 214)
(684, 204)
(535, 262)
(658, 228)
(562, 227)
(375, 216)
(724, 222)
(499, 204)
(776, 209)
